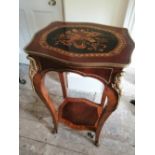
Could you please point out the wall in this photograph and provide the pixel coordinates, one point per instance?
(110, 12)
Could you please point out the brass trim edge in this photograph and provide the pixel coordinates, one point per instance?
(33, 69)
(116, 84)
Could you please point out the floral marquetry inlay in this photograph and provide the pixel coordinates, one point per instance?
(83, 40)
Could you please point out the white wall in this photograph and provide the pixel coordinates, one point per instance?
(110, 12)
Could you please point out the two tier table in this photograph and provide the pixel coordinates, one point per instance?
(87, 49)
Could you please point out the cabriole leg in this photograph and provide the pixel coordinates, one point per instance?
(107, 111)
(37, 78)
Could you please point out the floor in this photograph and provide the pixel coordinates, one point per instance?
(36, 136)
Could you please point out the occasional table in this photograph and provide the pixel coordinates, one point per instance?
(88, 49)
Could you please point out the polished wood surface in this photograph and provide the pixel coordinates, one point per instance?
(119, 54)
(79, 113)
(87, 49)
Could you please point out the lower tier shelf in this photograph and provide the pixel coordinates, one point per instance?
(79, 113)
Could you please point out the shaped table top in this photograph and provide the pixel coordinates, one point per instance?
(83, 43)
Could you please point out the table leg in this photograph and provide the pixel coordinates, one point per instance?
(37, 77)
(107, 111)
(104, 95)
(63, 80)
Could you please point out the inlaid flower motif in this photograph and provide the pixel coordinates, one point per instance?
(82, 39)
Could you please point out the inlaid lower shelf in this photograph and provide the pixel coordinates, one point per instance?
(79, 113)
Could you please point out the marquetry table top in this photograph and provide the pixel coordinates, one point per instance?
(83, 43)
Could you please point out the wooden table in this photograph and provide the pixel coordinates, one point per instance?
(88, 49)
